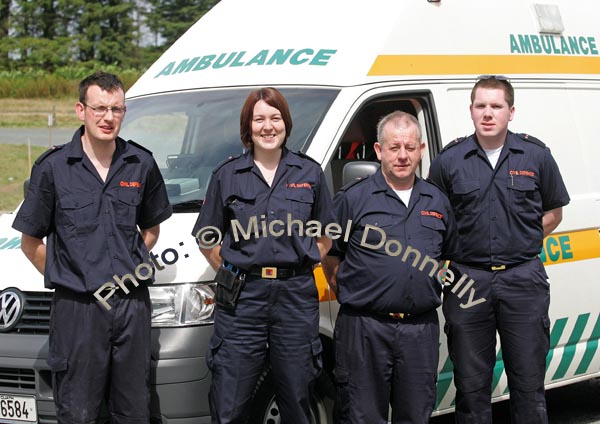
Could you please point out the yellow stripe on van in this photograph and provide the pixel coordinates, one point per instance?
(571, 246)
(557, 248)
(483, 64)
(325, 294)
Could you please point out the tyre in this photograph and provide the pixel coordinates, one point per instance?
(265, 410)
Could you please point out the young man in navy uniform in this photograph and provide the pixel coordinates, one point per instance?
(99, 201)
(386, 279)
(507, 194)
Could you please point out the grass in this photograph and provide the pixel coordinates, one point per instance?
(15, 167)
(33, 113)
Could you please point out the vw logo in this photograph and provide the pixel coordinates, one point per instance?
(11, 308)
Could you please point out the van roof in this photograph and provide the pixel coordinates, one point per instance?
(351, 42)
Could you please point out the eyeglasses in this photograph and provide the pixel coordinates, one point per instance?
(100, 111)
(496, 77)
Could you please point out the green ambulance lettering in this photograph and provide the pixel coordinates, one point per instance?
(262, 58)
(221, 62)
(259, 59)
(205, 62)
(556, 248)
(549, 44)
(185, 65)
(280, 56)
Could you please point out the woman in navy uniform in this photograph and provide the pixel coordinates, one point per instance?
(275, 192)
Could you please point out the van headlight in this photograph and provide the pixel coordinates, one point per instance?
(180, 305)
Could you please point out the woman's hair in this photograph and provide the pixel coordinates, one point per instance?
(273, 98)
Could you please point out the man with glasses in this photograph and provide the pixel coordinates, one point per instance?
(99, 202)
(507, 194)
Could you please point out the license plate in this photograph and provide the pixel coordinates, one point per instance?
(18, 408)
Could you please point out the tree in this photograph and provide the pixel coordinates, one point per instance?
(4, 27)
(169, 19)
(51, 34)
(106, 31)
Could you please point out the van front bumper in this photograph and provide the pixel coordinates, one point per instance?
(179, 376)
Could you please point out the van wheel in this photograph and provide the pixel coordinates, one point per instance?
(265, 410)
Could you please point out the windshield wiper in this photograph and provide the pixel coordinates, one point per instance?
(193, 205)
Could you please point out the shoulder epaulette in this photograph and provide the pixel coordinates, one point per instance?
(47, 153)
(531, 139)
(354, 182)
(305, 156)
(139, 146)
(453, 143)
(226, 161)
(431, 183)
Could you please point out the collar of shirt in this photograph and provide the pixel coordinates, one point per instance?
(472, 146)
(420, 187)
(75, 152)
(247, 160)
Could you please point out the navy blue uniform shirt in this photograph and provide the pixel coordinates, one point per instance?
(379, 279)
(91, 225)
(499, 211)
(237, 197)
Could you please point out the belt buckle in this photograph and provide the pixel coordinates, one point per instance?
(498, 267)
(397, 315)
(268, 272)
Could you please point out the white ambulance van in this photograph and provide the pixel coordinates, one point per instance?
(342, 65)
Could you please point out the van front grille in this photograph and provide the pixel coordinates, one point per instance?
(36, 314)
(17, 378)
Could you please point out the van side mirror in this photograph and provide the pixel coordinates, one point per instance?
(358, 169)
(25, 187)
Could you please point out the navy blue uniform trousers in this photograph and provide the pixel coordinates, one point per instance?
(517, 302)
(274, 320)
(96, 352)
(382, 361)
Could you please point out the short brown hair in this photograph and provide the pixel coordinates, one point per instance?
(104, 80)
(492, 82)
(273, 98)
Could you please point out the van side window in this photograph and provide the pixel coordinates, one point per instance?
(357, 142)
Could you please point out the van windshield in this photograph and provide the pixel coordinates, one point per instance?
(190, 133)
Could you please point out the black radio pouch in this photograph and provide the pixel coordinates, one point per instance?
(229, 286)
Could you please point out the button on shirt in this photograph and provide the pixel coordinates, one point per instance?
(499, 211)
(390, 260)
(91, 225)
(268, 226)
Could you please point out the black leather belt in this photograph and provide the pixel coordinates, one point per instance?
(392, 315)
(273, 272)
(398, 316)
(492, 268)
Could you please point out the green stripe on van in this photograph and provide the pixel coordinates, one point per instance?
(498, 369)
(590, 349)
(569, 350)
(555, 335)
(444, 381)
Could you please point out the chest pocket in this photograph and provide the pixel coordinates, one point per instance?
(300, 202)
(375, 229)
(432, 231)
(78, 211)
(127, 207)
(523, 193)
(242, 208)
(464, 196)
